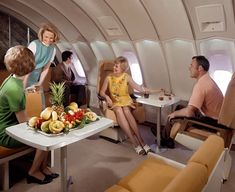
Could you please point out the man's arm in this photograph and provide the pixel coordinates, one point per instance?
(188, 111)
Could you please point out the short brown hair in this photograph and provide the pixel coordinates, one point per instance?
(19, 60)
(48, 27)
(203, 61)
(123, 61)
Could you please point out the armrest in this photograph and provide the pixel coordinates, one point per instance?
(205, 124)
(204, 121)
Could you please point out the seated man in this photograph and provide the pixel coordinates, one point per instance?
(63, 73)
(206, 98)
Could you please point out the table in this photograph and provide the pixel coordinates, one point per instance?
(154, 101)
(28, 136)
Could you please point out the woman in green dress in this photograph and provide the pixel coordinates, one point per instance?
(19, 61)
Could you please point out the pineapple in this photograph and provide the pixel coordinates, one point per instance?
(57, 96)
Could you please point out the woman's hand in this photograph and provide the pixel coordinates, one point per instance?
(33, 88)
(170, 116)
(37, 86)
(109, 101)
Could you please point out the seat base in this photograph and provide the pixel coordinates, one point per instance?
(113, 134)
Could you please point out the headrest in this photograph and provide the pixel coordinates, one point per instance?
(108, 65)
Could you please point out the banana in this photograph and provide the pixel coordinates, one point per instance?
(54, 116)
(45, 126)
(32, 121)
(46, 113)
(56, 126)
(91, 116)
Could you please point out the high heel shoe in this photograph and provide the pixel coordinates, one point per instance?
(32, 179)
(52, 175)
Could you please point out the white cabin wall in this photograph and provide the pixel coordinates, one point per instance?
(64, 46)
(134, 18)
(153, 64)
(211, 15)
(221, 55)
(119, 47)
(179, 56)
(102, 50)
(169, 18)
(219, 46)
(88, 60)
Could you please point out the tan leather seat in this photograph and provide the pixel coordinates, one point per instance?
(105, 68)
(192, 132)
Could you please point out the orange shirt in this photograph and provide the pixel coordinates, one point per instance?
(207, 97)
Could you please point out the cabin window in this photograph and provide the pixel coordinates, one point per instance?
(134, 67)
(77, 65)
(222, 78)
(13, 32)
(221, 70)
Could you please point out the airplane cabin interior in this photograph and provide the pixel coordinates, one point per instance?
(87, 145)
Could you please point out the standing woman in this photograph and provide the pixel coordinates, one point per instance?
(44, 51)
(119, 99)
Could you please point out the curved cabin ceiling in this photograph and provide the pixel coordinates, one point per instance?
(163, 34)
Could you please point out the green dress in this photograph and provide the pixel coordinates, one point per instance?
(118, 89)
(12, 99)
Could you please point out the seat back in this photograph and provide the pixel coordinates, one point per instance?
(227, 115)
(106, 68)
(3, 75)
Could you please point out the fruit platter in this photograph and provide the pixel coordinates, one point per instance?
(57, 119)
(51, 123)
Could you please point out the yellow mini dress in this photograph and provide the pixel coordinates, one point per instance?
(118, 89)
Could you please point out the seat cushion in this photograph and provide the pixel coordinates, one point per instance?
(209, 152)
(116, 188)
(191, 179)
(200, 132)
(151, 175)
(4, 152)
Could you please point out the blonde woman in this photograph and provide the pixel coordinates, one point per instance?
(121, 102)
(44, 51)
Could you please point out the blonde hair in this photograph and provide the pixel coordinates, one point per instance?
(123, 62)
(48, 27)
(19, 60)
